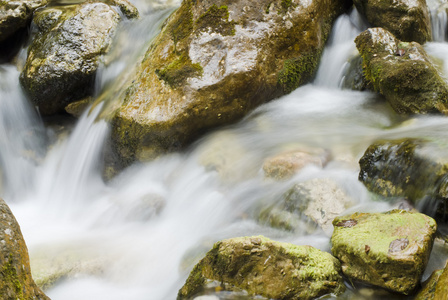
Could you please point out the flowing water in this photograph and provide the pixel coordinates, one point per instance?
(139, 235)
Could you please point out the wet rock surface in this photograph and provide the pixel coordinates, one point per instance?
(212, 63)
(388, 250)
(407, 20)
(402, 72)
(411, 168)
(15, 274)
(65, 53)
(267, 268)
(15, 15)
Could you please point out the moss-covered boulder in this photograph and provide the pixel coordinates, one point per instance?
(407, 20)
(16, 14)
(65, 52)
(389, 250)
(267, 268)
(15, 275)
(411, 168)
(402, 72)
(213, 62)
(306, 206)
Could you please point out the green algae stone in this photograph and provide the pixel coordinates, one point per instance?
(389, 250)
(267, 268)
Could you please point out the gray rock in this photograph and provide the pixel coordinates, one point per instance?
(313, 203)
(65, 53)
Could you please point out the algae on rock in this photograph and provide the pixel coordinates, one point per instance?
(389, 250)
(267, 268)
(212, 63)
(402, 72)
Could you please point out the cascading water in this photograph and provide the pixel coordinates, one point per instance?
(437, 9)
(139, 235)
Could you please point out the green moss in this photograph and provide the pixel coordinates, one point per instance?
(389, 250)
(268, 7)
(177, 72)
(216, 18)
(10, 277)
(297, 71)
(267, 268)
(285, 4)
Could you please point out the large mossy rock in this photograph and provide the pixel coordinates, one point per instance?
(411, 168)
(16, 14)
(402, 72)
(66, 50)
(213, 62)
(15, 275)
(389, 250)
(408, 20)
(267, 268)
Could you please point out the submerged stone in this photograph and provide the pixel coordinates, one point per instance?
(402, 72)
(407, 20)
(15, 274)
(65, 53)
(213, 62)
(266, 268)
(16, 14)
(307, 205)
(283, 166)
(388, 250)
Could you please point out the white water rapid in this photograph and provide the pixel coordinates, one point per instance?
(138, 236)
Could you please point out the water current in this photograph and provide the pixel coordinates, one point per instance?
(138, 235)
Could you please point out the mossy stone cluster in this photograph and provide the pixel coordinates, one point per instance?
(15, 15)
(388, 250)
(66, 50)
(411, 168)
(267, 268)
(402, 72)
(409, 21)
(212, 63)
(15, 275)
